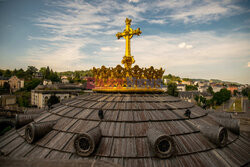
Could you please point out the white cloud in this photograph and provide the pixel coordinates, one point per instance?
(68, 34)
(135, 1)
(159, 21)
(189, 46)
(184, 45)
(202, 12)
(109, 49)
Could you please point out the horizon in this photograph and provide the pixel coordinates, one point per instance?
(191, 39)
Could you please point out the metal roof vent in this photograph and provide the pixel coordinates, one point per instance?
(162, 144)
(34, 131)
(231, 124)
(220, 114)
(86, 143)
(217, 135)
(24, 119)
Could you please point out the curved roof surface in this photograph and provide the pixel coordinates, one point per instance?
(124, 141)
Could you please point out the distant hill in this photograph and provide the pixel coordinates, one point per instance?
(177, 78)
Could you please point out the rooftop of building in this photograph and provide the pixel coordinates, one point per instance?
(4, 78)
(59, 86)
(124, 132)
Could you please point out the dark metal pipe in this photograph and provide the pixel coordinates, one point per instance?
(86, 143)
(35, 131)
(220, 114)
(216, 134)
(162, 144)
(24, 119)
(231, 124)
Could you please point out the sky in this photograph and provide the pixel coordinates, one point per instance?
(207, 39)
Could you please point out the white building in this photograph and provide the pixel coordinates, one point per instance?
(202, 83)
(181, 87)
(47, 82)
(40, 98)
(217, 88)
(41, 94)
(166, 81)
(202, 88)
(16, 83)
(64, 79)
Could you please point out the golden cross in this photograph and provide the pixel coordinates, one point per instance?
(128, 33)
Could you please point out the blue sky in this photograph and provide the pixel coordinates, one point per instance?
(191, 38)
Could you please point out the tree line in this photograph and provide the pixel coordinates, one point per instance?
(30, 73)
(217, 98)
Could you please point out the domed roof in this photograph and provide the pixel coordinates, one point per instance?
(130, 130)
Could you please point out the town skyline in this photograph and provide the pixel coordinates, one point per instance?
(205, 40)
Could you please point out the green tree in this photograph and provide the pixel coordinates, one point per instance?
(32, 84)
(20, 73)
(23, 98)
(246, 91)
(5, 89)
(186, 79)
(222, 96)
(210, 103)
(47, 73)
(7, 73)
(172, 77)
(31, 70)
(14, 72)
(218, 98)
(235, 92)
(226, 94)
(210, 90)
(203, 99)
(54, 77)
(191, 87)
(43, 71)
(1, 72)
(172, 89)
(53, 100)
(197, 98)
(6, 85)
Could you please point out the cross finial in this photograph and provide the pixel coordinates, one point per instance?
(128, 33)
(128, 21)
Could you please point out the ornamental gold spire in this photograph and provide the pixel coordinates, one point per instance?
(127, 34)
(127, 79)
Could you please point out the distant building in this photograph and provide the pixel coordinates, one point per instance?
(241, 87)
(7, 100)
(38, 75)
(190, 95)
(166, 81)
(202, 83)
(41, 94)
(187, 82)
(16, 83)
(64, 79)
(232, 88)
(3, 80)
(202, 88)
(217, 88)
(47, 82)
(181, 87)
